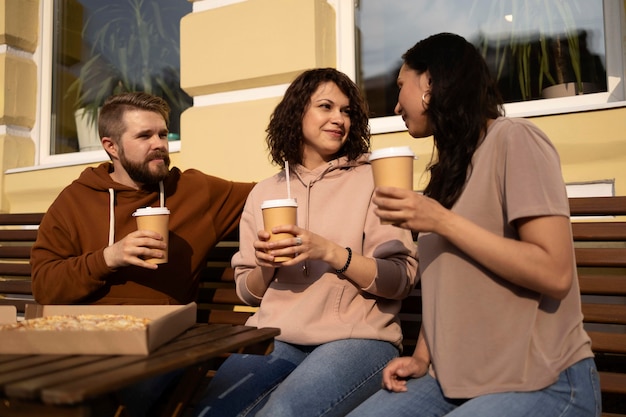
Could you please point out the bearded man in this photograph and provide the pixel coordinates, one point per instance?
(88, 249)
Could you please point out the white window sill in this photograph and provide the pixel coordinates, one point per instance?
(527, 109)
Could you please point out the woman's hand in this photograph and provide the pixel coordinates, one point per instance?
(400, 369)
(305, 245)
(302, 246)
(408, 209)
(263, 258)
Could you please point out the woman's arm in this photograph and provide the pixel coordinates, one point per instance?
(400, 369)
(542, 260)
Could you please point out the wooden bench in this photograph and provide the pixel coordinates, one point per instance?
(600, 245)
(599, 231)
(17, 234)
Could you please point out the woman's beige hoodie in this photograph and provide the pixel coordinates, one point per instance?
(316, 305)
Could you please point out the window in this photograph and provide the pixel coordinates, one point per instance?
(101, 48)
(532, 47)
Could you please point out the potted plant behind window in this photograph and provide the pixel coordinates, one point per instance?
(537, 45)
(132, 49)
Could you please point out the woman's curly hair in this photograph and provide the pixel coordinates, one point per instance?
(284, 132)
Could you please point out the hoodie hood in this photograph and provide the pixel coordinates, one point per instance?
(329, 170)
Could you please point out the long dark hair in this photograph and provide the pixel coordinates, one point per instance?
(463, 97)
(284, 133)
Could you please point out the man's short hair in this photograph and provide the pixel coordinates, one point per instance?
(111, 121)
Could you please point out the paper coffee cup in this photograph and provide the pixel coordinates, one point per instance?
(277, 213)
(155, 219)
(393, 167)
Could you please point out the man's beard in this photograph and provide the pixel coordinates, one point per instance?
(140, 171)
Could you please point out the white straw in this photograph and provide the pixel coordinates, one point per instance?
(287, 175)
(161, 194)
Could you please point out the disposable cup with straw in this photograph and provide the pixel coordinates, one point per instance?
(280, 212)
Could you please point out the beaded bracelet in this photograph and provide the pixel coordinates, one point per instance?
(342, 270)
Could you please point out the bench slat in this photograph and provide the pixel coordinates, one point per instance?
(15, 252)
(613, 382)
(16, 286)
(608, 342)
(226, 296)
(228, 316)
(599, 231)
(597, 206)
(602, 284)
(604, 313)
(18, 235)
(15, 269)
(605, 257)
(21, 219)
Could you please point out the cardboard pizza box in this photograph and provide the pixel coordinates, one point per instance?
(166, 322)
(8, 315)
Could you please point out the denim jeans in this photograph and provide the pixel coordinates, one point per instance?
(575, 394)
(298, 381)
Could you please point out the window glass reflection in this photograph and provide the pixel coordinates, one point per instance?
(536, 48)
(106, 47)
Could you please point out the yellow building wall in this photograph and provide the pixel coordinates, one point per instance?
(260, 43)
(265, 43)
(19, 31)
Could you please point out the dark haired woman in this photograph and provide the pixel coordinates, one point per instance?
(336, 302)
(502, 330)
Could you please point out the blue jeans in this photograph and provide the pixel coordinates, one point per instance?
(299, 381)
(575, 394)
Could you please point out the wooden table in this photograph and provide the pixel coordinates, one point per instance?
(75, 385)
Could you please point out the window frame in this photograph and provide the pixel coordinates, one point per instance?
(41, 132)
(615, 30)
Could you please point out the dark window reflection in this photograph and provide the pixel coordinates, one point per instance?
(105, 47)
(537, 49)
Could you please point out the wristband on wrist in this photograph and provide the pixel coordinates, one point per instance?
(342, 270)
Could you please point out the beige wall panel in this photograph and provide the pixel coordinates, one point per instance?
(19, 23)
(18, 103)
(15, 152)
(34, 191)
(592, 145)
(228, 140)
(255, 43)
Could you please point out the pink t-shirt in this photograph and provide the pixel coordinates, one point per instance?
(485, 334)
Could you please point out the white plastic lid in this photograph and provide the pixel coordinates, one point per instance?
(151, 211)
(391, 152)
(285, 202)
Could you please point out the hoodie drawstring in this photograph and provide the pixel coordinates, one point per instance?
(111, 216)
